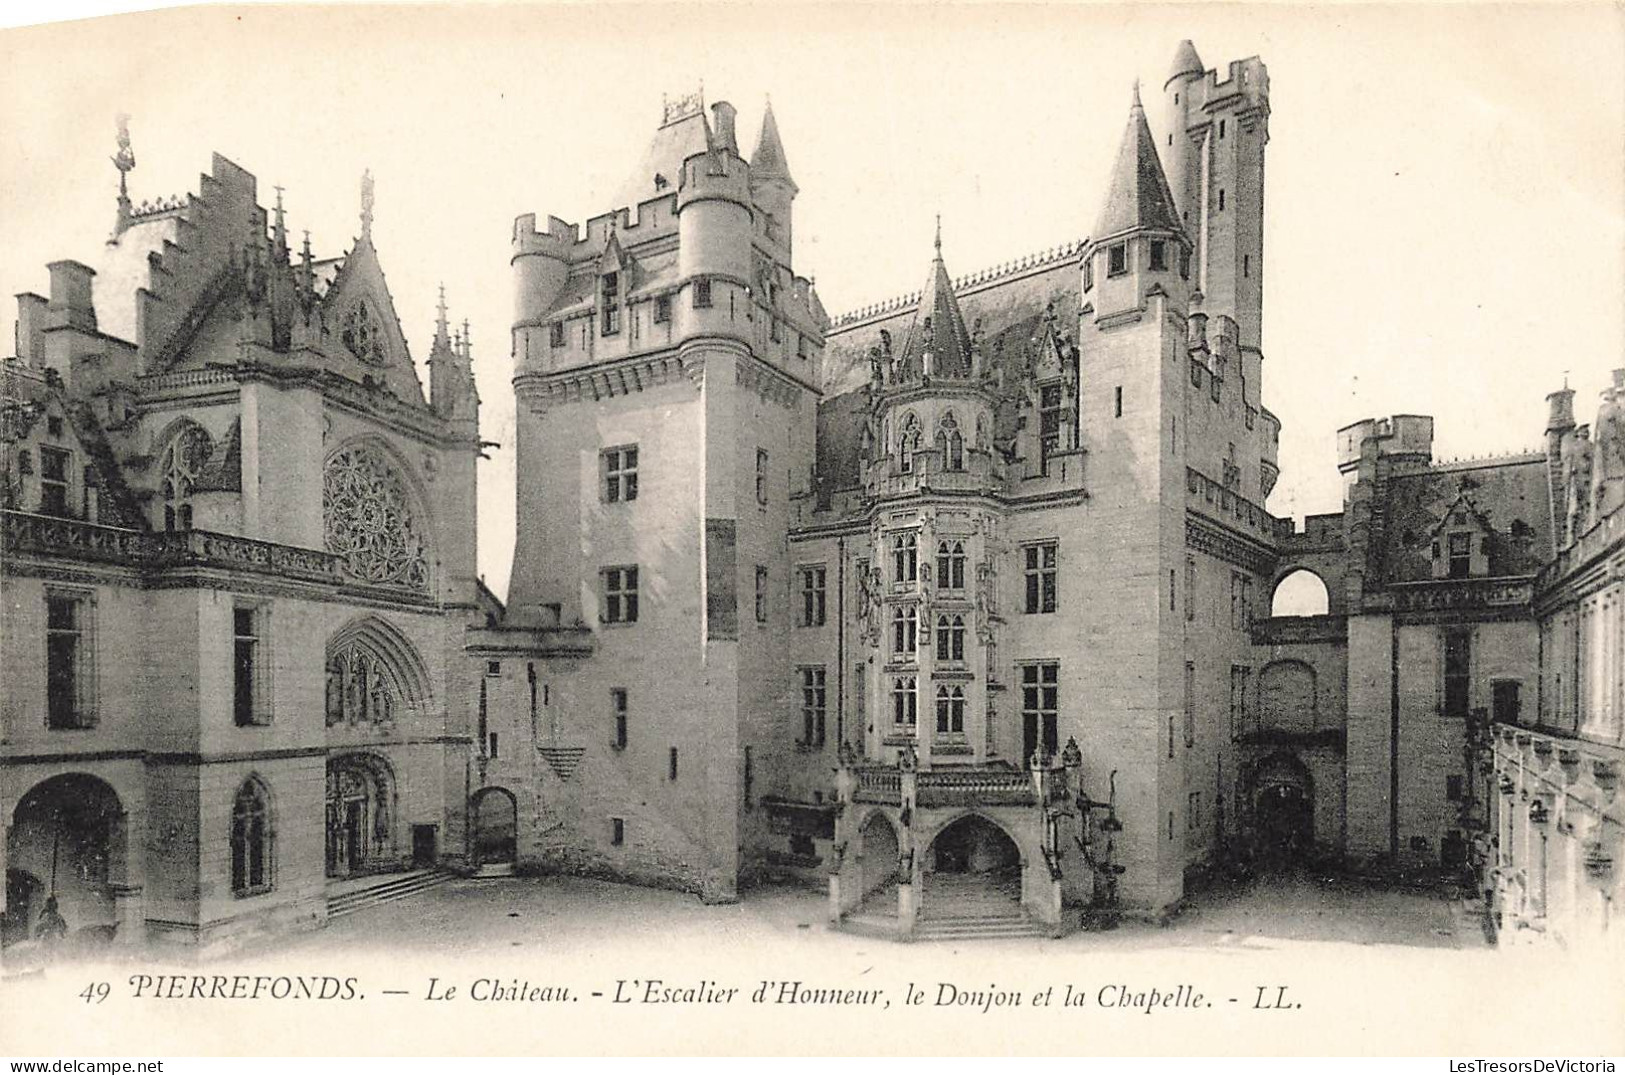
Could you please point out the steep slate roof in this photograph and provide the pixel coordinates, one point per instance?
(938, 329)
(672, 144)
(1137, 195)
(1186, 61)
(769, 161)
(1509, 495)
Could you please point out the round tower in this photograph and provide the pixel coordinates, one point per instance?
(714, 223)
(541, 261)
(1181, 154)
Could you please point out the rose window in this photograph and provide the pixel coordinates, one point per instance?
(370, 521)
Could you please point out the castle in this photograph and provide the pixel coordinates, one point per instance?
(957, 606)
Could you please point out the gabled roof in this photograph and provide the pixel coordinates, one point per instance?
(1137, 195)
(769, 161)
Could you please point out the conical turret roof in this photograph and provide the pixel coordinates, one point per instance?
(769, 161)
(1186, 62)
(938, 330)
(1137, 195)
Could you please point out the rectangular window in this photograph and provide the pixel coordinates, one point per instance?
(249, 706)
(1221, 199)
(1117, 260)
(67, 661)
(1235, 601)
(905, 704)
(951, 711)
(492, 738)
(671, 764)
(1159, 255)
(1193, 813)
(813, 603)
(662, 309)
(1461, 555)
(1190, 704)
(609, 302)
(618, 704)
(1051, 409)
(905, 630)
(702, 293)
(555, 335)
(1246, 603)
(620, 594)
(1505, 701)
(1088, 273)
(1190, 589)
(761, 475)
(1040, 707)
(951, 639)
(53, 481)
(620, 468)
(1457, 666)
(1246, 265)
(813, 701)
(761, 595)
(1452, 788)
(1221, 128)
(1039, 569)
(1117, 405)
(617, 831)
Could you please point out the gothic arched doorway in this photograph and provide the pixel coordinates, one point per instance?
(1283, 808)
(973, 870)
(877, 856)
(496, 831)
(360, 815)
(67, 843)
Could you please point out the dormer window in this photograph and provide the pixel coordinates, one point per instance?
(702, 293)
(662, 309)
(609, 302)
(951, 443)
(1159, 255)
(1461, 555)
(53, 481)
(1117, 260)
(555, 335)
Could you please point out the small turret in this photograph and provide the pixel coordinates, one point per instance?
(772, 188)
(124, 161)
(451, 369)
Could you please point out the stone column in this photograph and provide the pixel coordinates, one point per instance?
(129, 911)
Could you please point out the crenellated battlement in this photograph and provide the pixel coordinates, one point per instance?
(714, 175)
(1247, 79)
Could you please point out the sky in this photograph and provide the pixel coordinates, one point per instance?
(1444, 199)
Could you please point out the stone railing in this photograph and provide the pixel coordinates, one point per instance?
(879, 786)
(1452, 595)
(1592, 543)
(946, 787)
(73, 539)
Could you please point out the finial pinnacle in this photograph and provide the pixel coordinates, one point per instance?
(1136, 103)
(366, 203)
(938, 241)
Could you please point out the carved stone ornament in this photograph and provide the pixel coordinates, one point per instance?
(370, 522)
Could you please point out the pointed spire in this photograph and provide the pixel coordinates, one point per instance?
(769, 161)
(1186, 62)
(366, 204)
(307, 268)
(1136, 103)
(468, 339)
(938, 343)
(124, 161)
(280, 229)
(442, 337)
(1137, 195)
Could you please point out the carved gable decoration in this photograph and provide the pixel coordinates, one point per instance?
(365, 341)
(370, 519)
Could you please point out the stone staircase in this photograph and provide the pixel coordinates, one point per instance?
(357, 894)
(963, 907)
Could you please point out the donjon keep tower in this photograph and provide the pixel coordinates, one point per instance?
(901, 602)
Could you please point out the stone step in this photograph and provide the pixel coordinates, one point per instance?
(390, 887)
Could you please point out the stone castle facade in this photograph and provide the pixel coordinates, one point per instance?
(957, 605)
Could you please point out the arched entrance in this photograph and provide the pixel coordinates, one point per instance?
(877, 856)
(67, 842)
(360, 815)
(1283, 809)
(972, 870)
(496, 831)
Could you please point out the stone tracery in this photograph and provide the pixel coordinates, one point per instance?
(369, 520)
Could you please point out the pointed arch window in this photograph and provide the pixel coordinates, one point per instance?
(251, 838)
(950, 710)
(908, 443)
(951, 639)
(905, 549)
(183, 460)
(950, 443)
(950, 565)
